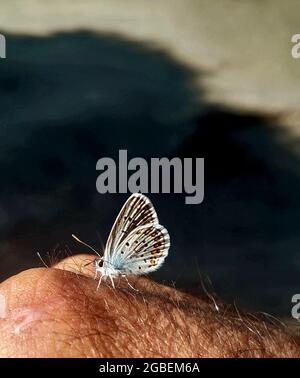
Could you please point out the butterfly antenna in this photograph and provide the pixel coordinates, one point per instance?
(40, 257)
(89, 263)
(82, 242)
(100, 240)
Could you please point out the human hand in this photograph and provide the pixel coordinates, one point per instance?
(58, 312)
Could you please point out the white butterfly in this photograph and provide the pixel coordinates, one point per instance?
(137, 243)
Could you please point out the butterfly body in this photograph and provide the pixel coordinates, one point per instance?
(106, 271)
(137, 243)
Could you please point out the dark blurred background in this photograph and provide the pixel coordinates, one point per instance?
(83, 80)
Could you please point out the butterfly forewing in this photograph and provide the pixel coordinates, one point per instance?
(143, 250)
(137, 211)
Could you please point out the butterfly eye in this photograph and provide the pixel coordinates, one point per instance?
(99, 263)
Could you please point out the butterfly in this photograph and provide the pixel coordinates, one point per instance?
(137, 243)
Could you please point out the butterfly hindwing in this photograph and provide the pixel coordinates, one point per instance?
(143, 250)
(136, 212)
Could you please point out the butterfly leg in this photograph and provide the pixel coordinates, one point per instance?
(124, 275)
(112, 281)
(99, 283)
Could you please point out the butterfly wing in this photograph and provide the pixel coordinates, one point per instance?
(143, 250)
(137, 211)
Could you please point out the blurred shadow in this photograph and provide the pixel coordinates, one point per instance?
(249, 220)
(71, 98)
(67, 100)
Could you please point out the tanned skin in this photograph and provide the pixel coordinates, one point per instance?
(57, 312)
